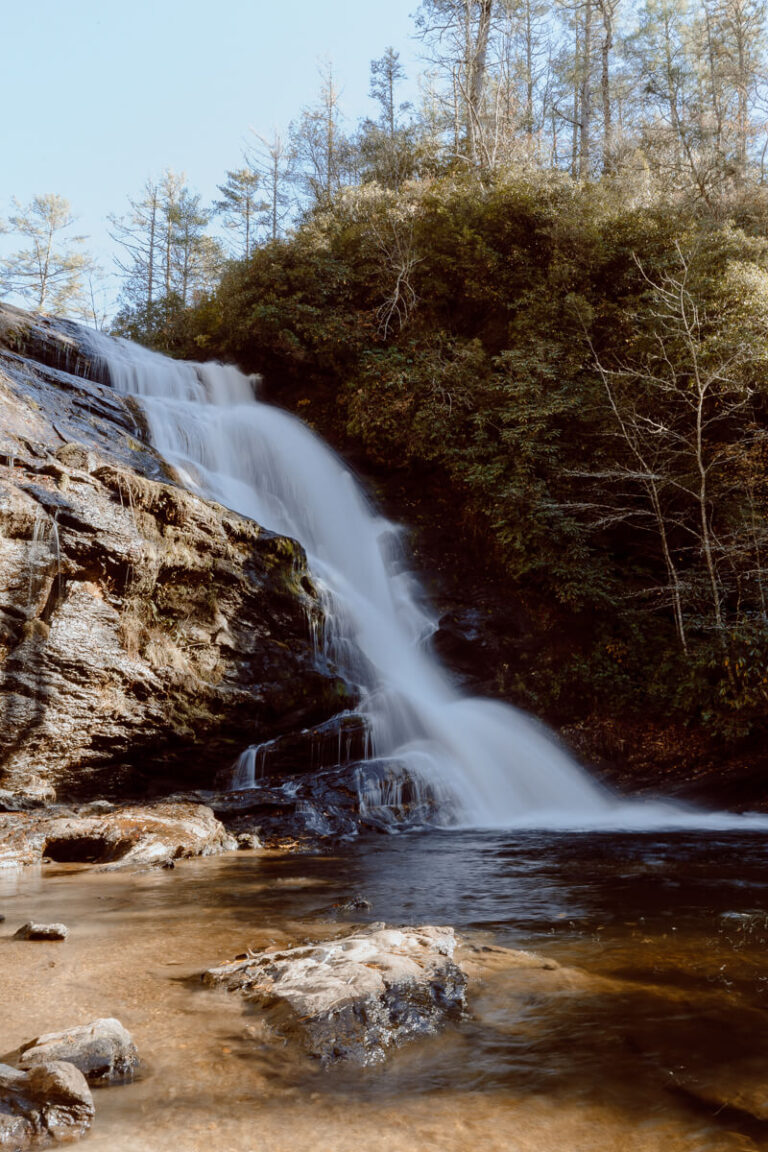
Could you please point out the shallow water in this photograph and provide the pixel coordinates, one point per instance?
(664, 987)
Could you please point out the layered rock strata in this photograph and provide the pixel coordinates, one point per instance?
(146, 635)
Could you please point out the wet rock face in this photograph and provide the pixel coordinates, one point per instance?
(354, 997)
(146, 635)
(103, 1051)
(49, 1104)
(330, 804)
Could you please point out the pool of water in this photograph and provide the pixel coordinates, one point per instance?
(651, 1037)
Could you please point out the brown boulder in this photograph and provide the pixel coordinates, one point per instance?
(51, 1103)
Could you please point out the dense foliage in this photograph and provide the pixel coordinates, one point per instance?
(583, 369)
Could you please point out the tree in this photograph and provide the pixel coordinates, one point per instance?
(389, 148)
(386, 73)
(271, 161)
(138, 234)
(49, 270)
(738, 31)
(458, 33)
(169, 261)
(195, 256)
(322, 156)
(682, 401)
(241, 207)
(525, 58)
(96, 305)
(608, 10)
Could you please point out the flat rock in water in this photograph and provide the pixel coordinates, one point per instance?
(354, 997)
(51, 1103)
(30, 931)
(104, 1051)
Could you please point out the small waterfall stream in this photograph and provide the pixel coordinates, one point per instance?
(485, 763)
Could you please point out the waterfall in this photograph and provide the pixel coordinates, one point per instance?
(486, 763)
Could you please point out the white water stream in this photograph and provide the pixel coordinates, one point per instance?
(489, 764)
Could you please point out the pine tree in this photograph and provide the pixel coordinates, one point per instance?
(169, 261)
(240, 207)
(271, 161)
(49, 270)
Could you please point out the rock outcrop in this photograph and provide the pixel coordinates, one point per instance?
(112, 836)
(50, 1104)
(354, 997)
(146, 635)
(103, 1051)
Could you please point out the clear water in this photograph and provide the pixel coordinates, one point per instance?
(655, 1020)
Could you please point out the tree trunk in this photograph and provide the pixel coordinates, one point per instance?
(151, 255)
(476, 57)
(585, 97)
(606, 8)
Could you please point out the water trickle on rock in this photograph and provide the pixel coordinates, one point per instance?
(44, 553)
(474, 761)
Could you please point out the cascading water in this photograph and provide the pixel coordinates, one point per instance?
(484, 762)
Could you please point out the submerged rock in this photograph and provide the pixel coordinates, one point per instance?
(104, 1051)
(353, 904)
(354, 997)
(127, 836)
(146, 635)
(51, 1103)
(30, 931)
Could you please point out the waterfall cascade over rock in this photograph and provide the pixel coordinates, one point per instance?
(483, 763)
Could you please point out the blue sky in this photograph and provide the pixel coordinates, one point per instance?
(98, 96)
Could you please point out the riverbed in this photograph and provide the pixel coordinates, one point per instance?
(651, 1037)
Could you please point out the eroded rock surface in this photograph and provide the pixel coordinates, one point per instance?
(104, 1051)
(146, 635)
(354, 997)
(113, 836)
(49, 1104)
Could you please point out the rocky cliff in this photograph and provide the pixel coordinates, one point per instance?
(146, 635)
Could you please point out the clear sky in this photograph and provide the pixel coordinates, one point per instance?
(98, 95)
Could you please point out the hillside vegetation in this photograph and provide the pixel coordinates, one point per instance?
(580, 371)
